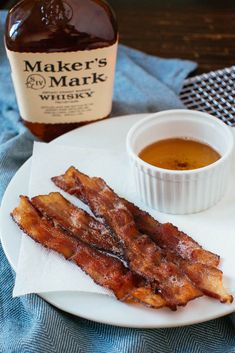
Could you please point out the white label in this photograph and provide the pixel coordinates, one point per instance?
(64, 87)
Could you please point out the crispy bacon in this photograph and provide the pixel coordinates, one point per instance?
(165, 235)
(105, 270)
(206, 277)
(142, 254)
(170, 237)
(77, 221)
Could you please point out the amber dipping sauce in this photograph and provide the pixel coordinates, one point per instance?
(179, 154)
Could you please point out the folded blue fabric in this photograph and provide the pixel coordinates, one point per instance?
(28, 324)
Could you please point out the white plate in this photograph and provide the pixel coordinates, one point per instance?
(108, 134)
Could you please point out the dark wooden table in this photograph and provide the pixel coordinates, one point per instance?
(200, 30)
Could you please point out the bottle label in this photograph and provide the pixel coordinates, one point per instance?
(64, 87)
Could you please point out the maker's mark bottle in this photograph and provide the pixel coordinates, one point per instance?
(62, 55)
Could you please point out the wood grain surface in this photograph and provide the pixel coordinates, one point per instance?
(200, 30)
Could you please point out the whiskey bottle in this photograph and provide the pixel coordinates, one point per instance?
(62, 56)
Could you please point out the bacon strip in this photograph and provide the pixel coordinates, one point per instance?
(142, 254)
(170, 237)
(105, 270)
(206, 277)
(77, 221)
(165, 235)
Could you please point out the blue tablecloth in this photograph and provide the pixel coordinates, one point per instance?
(28, 324)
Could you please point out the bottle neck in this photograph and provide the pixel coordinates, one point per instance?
(55, 12)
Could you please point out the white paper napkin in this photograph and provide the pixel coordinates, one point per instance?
(40, 270)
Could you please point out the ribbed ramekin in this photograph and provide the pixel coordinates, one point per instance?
(184, 191)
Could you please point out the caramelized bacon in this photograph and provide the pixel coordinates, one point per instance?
(165, 235)
(170, 237)
(77, 221)
(142, 254)
(199, 264)
(208, 279)
(105, 270)
(178, 245)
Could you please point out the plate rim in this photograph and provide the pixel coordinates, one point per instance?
(47, 296)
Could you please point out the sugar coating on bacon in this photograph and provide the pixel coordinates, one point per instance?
(170, 237)
(178, 245)
(142, 254)
(105, 270)
(77, 221)
(208, 279)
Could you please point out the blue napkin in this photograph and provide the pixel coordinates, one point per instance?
(29, 324)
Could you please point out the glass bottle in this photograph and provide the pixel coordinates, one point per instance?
(62, 56)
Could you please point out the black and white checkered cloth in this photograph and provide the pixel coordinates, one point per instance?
(213, 92)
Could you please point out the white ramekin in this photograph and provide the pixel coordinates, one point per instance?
(187, 191)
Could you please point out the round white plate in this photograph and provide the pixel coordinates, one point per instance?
(107, 134)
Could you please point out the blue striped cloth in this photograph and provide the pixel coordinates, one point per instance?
(29, 324)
